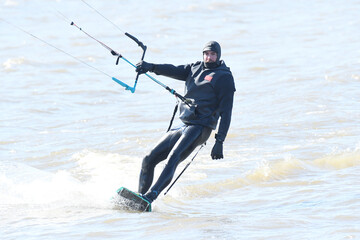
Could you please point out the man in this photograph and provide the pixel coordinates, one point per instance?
(209, 87)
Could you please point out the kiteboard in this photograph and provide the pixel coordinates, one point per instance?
(133, 201)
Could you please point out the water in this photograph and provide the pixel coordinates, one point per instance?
(70, 136)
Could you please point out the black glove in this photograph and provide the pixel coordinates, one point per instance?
(144, 67)
(217, 151)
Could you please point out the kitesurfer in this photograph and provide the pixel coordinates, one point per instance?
(209, 90)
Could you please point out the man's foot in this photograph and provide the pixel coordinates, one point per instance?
(150, 197)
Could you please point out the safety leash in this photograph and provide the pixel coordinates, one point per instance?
(187, 165)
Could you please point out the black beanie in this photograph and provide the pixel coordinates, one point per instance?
(214, 46)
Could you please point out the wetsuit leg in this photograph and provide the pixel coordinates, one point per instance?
(193, 136)
(158, 154)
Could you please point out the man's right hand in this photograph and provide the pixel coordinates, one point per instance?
(217, 151)
(144, 67)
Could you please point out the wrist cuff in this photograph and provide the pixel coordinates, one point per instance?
(219, 138)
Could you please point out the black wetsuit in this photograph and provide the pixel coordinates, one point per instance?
(212, 91)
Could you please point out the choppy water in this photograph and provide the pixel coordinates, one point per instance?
(70, 136)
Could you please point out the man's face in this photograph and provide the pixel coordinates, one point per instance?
(210, 56)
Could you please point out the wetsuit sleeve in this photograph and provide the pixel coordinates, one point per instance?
(180, 72)
(225, 91)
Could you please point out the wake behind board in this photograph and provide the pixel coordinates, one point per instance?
(133, 201)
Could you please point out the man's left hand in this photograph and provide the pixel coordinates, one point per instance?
(217, 151)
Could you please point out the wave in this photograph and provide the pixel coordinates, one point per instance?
(91, 183)
(285, 172)
(10, 64)
(97, 175)
(339, 160)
